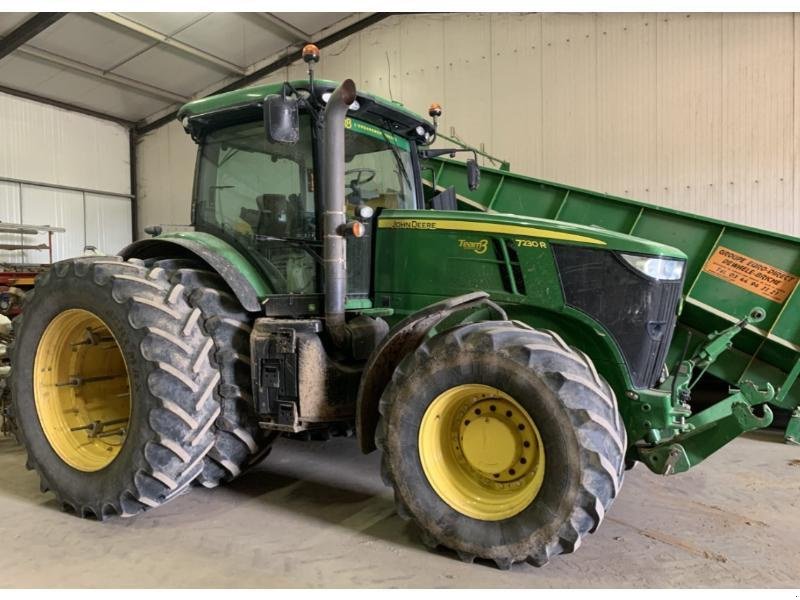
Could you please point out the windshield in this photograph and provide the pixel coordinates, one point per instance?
(260, 196)
(377, 168)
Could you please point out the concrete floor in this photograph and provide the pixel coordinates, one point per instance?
(317, 514)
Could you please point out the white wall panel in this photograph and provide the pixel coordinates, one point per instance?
(342, 60)
(10, 213)
(165, 174)
(380, 60)
(792, 220)
(58, 208)
(569, 82)
(698, 112)
(51, 145)
(517, 89)
(757, 108)
(626, 103)
(689, 113)
(422, 60)
(467, 78)
(107, 222)
(45, 144)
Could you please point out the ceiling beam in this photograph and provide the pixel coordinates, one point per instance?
(27, 31)
(293, 32)
(291, 57)
(285, 60)
(118, 80)
(66, 106)
(172, 43)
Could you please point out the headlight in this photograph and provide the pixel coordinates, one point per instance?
(669, 269)
(365, 212)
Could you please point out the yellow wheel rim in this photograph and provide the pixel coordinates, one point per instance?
(481, 452)
(81, 390)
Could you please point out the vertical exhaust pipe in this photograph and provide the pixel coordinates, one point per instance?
(335, 246)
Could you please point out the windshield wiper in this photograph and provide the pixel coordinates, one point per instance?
(396, 154)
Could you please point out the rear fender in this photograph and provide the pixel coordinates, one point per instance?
(249, 287)
(404, 338)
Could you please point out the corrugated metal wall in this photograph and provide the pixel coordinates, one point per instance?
(691, 111)
(165, 174)
(40, 144)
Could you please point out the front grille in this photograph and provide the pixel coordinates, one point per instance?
(638, 312)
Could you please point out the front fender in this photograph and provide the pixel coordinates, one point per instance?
(404, 338)
(247, 284)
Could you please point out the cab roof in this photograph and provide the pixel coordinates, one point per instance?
(246, 103)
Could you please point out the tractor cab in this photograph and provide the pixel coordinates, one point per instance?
(263, 195)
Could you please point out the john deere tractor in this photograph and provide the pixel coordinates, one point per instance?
(508, 368)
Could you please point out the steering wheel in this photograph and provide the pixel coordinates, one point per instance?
(354, 197)
(359, 180)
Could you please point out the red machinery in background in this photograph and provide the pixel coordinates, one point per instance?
(18, 277)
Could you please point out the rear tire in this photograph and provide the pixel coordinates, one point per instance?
(550, 386)
(239, 441)
(101, 307)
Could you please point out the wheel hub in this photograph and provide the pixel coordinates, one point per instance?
(481, 452)
(496, 440)
(82, 390)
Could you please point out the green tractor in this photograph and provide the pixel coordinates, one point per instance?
(509, 369)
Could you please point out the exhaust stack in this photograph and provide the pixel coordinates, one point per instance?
(334, 221)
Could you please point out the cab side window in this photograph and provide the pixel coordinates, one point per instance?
(260, 194)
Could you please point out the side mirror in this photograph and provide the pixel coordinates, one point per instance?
(282, 119)
(473, 174)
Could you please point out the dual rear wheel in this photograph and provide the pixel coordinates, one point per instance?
(130, 383)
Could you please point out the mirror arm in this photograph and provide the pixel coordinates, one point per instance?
(452, 153)
(449, 151)
(309, 103)
(443, 151)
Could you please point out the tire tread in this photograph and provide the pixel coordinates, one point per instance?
(155, 475)
(591, 406)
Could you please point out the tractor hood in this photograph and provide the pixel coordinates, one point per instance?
(529, 228)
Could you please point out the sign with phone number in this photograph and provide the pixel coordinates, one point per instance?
(750, 274)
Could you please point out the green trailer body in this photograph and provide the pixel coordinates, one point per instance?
(731, 269)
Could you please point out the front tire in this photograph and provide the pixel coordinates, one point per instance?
(542, 463)
(112, 386)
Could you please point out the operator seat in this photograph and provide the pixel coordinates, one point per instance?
(280, 217)
(275, 216)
